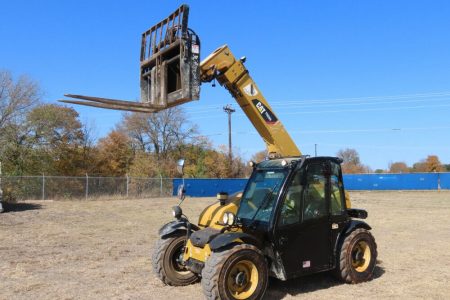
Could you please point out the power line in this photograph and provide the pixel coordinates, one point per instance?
(360, 103)
(370, 130)
(403, 96)
(288, 106)
(411, 97)
(406, 147)
(368, 109)
(398, 129)
(344, 110)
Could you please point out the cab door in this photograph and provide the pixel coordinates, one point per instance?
(302, 234)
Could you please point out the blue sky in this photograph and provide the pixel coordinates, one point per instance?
(369, 75)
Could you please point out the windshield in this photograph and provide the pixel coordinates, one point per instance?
(260, 195)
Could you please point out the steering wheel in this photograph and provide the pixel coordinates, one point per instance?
(252, 205)
(312, 210)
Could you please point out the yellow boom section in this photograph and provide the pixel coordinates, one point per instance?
(231, 73)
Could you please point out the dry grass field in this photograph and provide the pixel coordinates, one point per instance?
(101, 250)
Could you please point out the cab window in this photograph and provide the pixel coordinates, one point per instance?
(291, 209)
(337, 194)
(260, 194)
(314, 199)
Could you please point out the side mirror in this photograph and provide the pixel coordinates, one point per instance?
(181, 193)
(180, 166)
(357, 213)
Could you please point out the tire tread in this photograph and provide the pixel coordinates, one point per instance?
(158, 262)
(213, 266)
(343, 268)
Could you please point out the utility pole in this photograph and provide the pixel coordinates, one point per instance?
(229, 110)
(1, 191)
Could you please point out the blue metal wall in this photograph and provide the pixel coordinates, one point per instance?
(444, 180)
(414, 181)
(209, 187)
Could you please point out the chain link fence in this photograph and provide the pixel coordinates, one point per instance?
(84, 187)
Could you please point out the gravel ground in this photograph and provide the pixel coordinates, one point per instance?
(101, 250)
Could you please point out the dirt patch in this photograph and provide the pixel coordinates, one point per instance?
(102, 249)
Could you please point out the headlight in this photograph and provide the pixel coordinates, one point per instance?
(177, 212)
(225, 218)
(231, 219)
(228, 218)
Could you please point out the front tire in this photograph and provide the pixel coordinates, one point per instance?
(167, 261)
(240, 272)
(357, 257)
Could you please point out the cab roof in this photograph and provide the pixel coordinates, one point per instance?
(278, 163)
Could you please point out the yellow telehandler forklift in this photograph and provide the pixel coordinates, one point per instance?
(293, 217)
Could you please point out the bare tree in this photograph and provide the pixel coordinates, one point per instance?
(352, 162)
(16, 98)
(260, 156)
(160, 132)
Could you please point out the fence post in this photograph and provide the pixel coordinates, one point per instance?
(87, 186)
(439, 181)
(160, 185)
(1, 191)
(127, 184)
(43, 186)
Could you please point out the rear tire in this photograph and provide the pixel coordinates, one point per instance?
(357, 257)
(240, 272)
(166, 262)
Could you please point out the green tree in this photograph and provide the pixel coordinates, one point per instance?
(144, 165)
(58, 141)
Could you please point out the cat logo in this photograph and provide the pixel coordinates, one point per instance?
(260, 107)
(268, 116)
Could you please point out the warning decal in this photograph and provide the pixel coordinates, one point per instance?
(250, 90)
